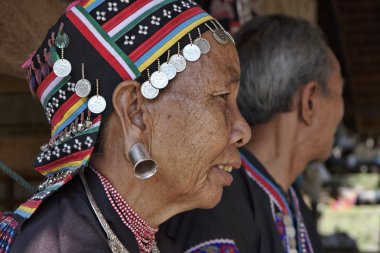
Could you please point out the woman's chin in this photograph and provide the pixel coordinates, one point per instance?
(213, 198)
(217, 180)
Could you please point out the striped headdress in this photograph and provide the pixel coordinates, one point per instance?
(108, 40)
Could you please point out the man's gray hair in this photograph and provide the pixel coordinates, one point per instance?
(278, 55)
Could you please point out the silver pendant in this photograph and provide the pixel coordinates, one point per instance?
(97, 104)
(290, 231)
(287, 220)
(191, 52)
(148, 91)
(178, 61)
(155, 248)
(203, 45)
(116, 246)
(169, 70)
(83, 88)
(292, 242)
(220, 36)
(159, 80)
(62, 68)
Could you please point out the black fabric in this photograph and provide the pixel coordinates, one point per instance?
(65, 222)
(81, 51)
(152, 28)
(243, 215)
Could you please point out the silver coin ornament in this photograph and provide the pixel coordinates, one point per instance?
(83, 88)
(220, 36)
(62, 40)
(159, 80)
(203, 45)
(62, 67)
(179, 62)
(290, 231)
(293, 242)
(191, 52)
(169, 70)
(287, 220)
(97, 104)
(148, 91)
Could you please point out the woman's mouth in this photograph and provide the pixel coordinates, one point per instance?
(226, 168)
(224, 172)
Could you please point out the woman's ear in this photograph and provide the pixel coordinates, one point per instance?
(127, 102)
(308, 102)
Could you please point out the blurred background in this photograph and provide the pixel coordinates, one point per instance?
(343, 193)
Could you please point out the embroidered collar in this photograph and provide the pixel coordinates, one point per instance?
(258, 173)
(289, 223)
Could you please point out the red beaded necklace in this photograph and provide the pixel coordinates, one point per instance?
(144, 234)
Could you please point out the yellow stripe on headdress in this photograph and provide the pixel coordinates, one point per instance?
(68, 113)
(172, 41)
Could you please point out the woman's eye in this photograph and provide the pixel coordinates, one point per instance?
(223, 95)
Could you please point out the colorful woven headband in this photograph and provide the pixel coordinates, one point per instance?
(91, 49)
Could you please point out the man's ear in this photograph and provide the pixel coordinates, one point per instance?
(127, 102)
(308, 102)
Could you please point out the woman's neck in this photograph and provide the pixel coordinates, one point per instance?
(276, 146)
(147, 198)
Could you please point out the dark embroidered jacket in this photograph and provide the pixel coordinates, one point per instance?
(66, 223)
(243, 217)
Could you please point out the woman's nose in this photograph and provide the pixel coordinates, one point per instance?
(241, 131)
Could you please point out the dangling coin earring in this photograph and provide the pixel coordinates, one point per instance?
(202, 43)
(83, 86)
(191, 52)
(88, 122)
(62, 67)
(219, 35)
(168, 68)
(228, 34)
(80, 125)
(159, 79)
(147, 90)
(97, 104)
(178, 61)
(53, 55)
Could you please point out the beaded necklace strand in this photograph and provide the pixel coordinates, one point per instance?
(144, 234)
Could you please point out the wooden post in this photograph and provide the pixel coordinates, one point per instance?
(306, 9)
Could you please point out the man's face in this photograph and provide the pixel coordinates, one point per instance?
(331, 110)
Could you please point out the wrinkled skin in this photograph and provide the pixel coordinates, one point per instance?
(202, 128)
(191, 127)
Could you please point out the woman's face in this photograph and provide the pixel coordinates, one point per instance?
(197, 128)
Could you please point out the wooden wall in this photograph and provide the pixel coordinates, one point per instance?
(23, 126)
(306, 9)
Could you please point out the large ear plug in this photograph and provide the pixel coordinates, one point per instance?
(144, 166)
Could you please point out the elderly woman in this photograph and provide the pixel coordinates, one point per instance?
(291, 95)
(141, 98)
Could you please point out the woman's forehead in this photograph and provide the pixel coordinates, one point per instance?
(222, 61)
(217, 70)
